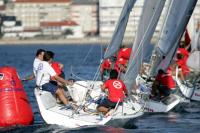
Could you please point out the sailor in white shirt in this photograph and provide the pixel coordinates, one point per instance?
(37, 60)
(43, 78)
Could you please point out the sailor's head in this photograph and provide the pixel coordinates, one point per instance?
(113, 74)
(40, 54)
(161, 71)
(48, 56)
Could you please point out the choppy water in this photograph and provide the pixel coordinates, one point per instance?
(83, 60)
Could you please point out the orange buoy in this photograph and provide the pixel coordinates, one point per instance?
(14, 105)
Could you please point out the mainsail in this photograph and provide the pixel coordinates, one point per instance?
(174, 26)
(150, 15)
(118, 35)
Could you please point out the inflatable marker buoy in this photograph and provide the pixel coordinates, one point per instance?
(14, 105)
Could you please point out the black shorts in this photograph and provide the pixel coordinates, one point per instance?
(164, 90)
(108, 104)
(51, 87)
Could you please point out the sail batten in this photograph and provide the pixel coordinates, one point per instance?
(118, 35)
(151, 12)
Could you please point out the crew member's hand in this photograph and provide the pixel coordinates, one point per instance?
(23, 80)
(70, 82)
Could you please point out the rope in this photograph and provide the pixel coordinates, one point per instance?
(76, 76)
(84, 60)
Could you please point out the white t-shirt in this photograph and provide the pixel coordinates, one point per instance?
(35, 65)
(44, 73)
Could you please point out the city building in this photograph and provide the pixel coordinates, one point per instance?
(109, 12)
(66, 29)
(33, 12)
(85, 14)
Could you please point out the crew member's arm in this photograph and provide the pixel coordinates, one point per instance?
(30, 77)
(103, 87)
(67, 82)
(125, 90)
(61, 66)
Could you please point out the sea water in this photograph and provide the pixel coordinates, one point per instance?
(81, 62)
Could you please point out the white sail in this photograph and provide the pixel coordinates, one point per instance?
(150, 15)
(120, 29)
(174, 26)
(195, 44)
(194, 59)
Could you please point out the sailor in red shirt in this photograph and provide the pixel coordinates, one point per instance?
(105, 69)
(116, 93)
(121, 65)
(183, 51)
(182, 64)
(124, 53)
(164, 83)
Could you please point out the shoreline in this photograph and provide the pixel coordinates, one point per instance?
(82, 41)
(68, 41)
(15, 41)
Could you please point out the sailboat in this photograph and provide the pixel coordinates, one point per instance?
(86, 92)
(176, 21)
(191, 88)
(150, 16)
(140, 45)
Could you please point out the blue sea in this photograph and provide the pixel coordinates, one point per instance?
(81, 62)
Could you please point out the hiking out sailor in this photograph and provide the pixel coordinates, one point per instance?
(43, 78)
(116, 93)
(163, 85)
(37, 60)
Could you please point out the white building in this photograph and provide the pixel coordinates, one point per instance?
(65, 28)
(85, 14)
(32, 12)
(109, 12)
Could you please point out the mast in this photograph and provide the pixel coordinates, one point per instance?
(120, 29)
(150, 15)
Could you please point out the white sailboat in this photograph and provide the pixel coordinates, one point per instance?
(145, 31)
(150, 15)
(174, 26)
(85, 92)
(171, 34)
(191, 88)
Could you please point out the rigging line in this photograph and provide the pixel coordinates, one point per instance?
(74, 75)
(88, 53)
(98, 69)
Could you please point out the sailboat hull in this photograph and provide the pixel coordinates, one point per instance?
(53, 113)
(190, 92)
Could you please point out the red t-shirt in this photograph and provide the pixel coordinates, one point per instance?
(106, 64)
(184, 52)
(182, 64)
(120, 61)
(56, 67)
(124, 53)
(116, 89)
(166, 80)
